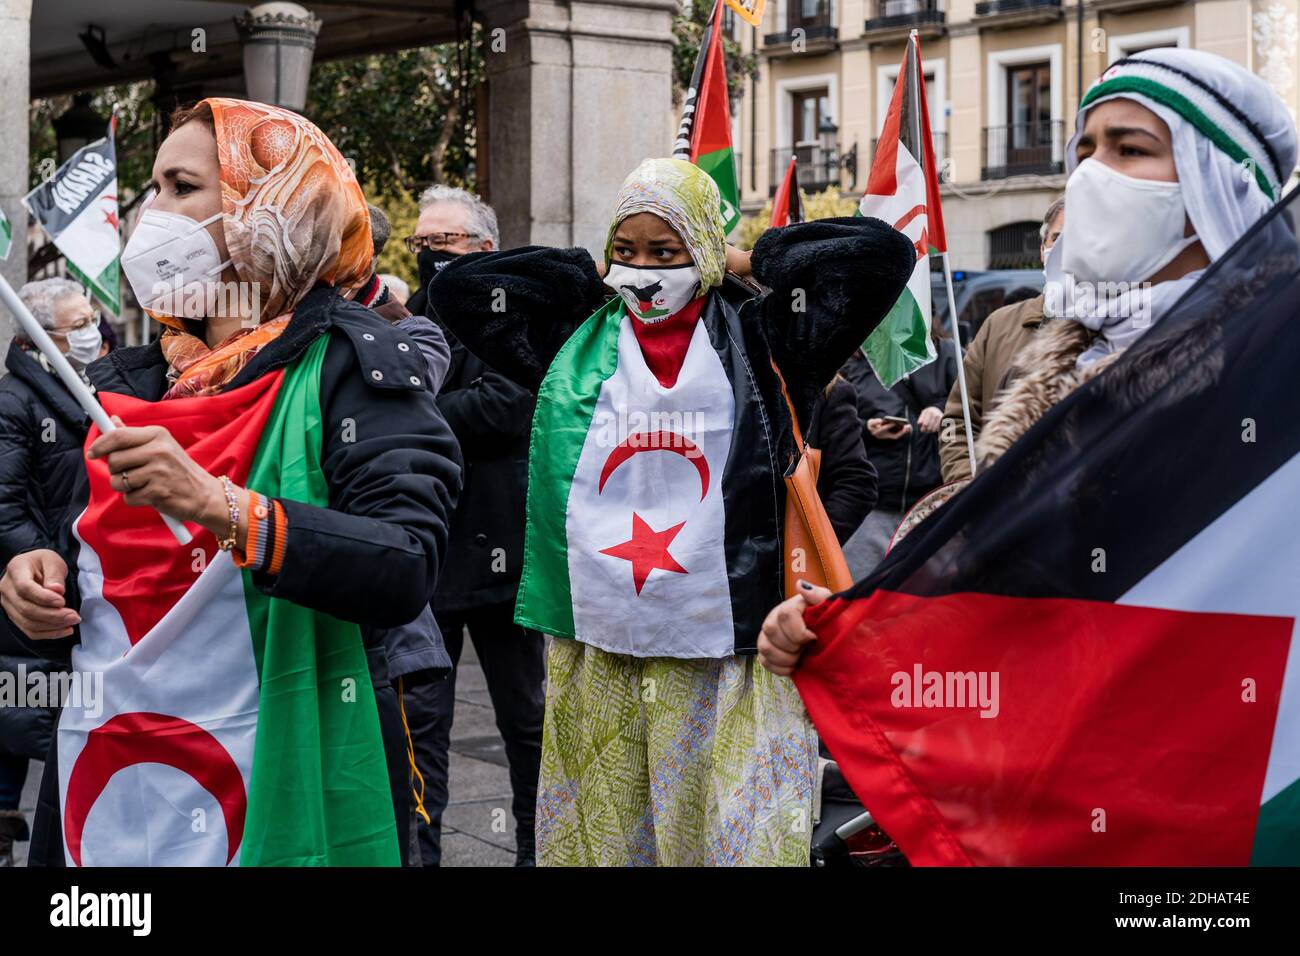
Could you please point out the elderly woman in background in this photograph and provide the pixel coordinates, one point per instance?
(295, 434)
(41, 432)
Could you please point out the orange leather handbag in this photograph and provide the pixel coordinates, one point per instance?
(811, 550)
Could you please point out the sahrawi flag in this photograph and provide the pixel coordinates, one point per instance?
(1089, 656)
(903, 190)
(627, 543)
(234, 728)
(704, 136)
(77, 208)
(787, 204)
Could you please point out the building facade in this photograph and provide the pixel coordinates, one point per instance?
(1003, 81)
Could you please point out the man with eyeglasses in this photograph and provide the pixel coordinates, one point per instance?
(42, 430)
(452, 222)
(492, 418)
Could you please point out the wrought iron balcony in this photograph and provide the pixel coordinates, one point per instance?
(815, 167)
(815, 20)
(901, 16)
(1023, 149)
(1018, 11)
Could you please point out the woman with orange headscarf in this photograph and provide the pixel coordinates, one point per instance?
(238, 709)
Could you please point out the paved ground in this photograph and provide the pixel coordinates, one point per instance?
(480, 785)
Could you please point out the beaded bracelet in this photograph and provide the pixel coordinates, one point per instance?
(232, 502)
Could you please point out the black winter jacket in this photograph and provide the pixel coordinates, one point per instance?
(847, 480)
(830, 282)
(373, 556)
(908, 468)
(492, 418)
(41, 433)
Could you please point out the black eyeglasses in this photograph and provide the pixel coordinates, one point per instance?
(435, 240)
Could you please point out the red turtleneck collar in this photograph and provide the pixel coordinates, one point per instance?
(664, 344)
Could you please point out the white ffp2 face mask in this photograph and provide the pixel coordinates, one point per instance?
(1120, 229)
(653, 293)
(173, 264)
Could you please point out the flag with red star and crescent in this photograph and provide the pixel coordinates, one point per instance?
(639, 537)
(233, 728)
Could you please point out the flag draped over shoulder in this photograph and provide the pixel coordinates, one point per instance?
(232, 727)
(1088, 656)
(704, 136)
(787, 204)
(903, 190)
(77, 207)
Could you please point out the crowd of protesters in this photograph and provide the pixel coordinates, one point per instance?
(438, 512)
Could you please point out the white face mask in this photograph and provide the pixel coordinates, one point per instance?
(83, 345)
(653, 293)
(1120, 229)
(173, 264)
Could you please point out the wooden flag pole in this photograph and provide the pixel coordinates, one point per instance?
(41, 339)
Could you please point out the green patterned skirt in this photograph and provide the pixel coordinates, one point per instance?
(669, 762)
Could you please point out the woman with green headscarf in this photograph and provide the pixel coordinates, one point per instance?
(655, 503)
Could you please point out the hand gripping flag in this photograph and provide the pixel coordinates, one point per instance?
(787, 204)
(903, 190)
(1089, 655)
(233, 728)
(704, 136)
(77, 208)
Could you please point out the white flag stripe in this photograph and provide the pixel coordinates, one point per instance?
(676, 614)
(195, 664)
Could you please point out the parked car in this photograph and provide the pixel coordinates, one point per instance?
(977, 294)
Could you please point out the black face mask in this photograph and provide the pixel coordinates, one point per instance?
(431, 262)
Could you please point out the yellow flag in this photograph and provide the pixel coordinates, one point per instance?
(751, 10)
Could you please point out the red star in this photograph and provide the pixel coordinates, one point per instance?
(647, 550)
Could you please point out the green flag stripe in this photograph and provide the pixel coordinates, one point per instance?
(899, 345)
(721, 167)
(1277, 831)
(104, 287)
(566, 405)
(319, 793)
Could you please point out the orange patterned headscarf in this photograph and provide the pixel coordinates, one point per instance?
(293, 215)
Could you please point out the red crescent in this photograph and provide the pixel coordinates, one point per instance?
(134, 738)
(656, 441)
(918, 210)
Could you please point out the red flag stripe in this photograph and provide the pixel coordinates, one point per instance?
(1107, 743)
(781, 201)
(145, 573)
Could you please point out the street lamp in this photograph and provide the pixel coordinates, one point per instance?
(78, 126)
(278, 40)
(828, 133)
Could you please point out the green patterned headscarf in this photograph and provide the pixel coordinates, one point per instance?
(682, 195)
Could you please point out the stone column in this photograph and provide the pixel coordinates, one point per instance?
(579, 92)
(1274, 33)
(15, 57)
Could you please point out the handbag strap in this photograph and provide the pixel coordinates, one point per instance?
(794, 419)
